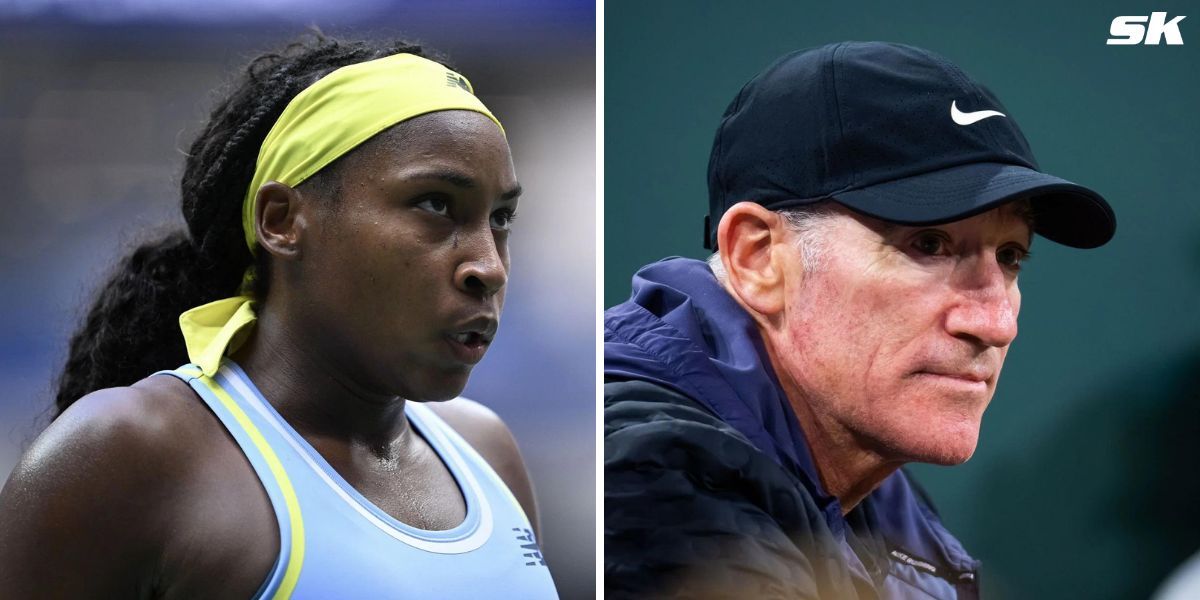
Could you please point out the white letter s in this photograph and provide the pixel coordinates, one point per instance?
(1128, 28)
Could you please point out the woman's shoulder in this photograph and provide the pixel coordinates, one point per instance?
(95, 479)
(138, 429)
(121, 484)
(148, 428)
(155, 436)
(114, 446)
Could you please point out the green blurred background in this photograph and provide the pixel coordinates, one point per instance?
(1085, 483)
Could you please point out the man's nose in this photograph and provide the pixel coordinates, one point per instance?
(986, 310)
(483, 271)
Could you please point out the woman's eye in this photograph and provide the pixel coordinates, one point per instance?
(1011, 257)
(930, 244)
(435, 205)
(503, 219)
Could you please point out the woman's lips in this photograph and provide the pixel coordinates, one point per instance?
(470, 338)
(468, 347)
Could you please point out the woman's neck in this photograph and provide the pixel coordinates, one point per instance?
(300, 378)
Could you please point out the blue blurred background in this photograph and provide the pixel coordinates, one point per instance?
(97, 99)
(1085, 483)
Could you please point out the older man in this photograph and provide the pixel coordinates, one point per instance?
(871, 206)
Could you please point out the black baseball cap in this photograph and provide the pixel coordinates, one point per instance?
(891, 131)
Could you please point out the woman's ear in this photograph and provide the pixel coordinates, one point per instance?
(279, 222)
(749, 239)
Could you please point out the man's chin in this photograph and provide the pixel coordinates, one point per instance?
(949, 459)
(945, 448)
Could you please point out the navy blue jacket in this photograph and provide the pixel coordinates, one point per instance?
(710, 490)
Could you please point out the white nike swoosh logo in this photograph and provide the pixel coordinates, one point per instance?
(966, 118)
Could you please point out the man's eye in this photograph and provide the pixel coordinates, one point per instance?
(435, 205)
(1011, 257)
(503, 219)
(930, 244)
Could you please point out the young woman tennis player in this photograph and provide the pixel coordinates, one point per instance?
(348, 209)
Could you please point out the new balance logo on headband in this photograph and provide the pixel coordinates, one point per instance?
(453, 79)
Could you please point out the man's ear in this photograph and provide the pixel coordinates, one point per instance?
(747, 238)
(279, 222)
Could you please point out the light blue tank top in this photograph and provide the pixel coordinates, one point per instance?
(334, 543)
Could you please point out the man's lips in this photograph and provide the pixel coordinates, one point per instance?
(978, 369)
(977, 380)
(968, 376)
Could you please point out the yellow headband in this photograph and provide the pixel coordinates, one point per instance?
(344, 109)
(328, 119)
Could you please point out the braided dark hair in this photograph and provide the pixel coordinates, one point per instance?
(131, 329)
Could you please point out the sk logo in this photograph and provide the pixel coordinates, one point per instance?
(532, 552)
(1128, 31)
